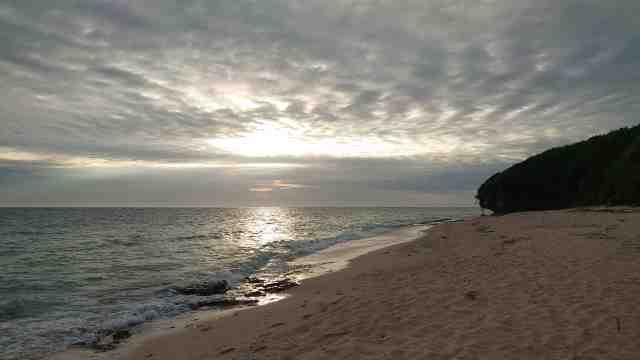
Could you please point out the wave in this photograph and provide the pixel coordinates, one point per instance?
(196, 237)
(271, 259)
(120, 269)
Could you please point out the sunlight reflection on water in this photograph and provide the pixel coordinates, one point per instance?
(64, 270)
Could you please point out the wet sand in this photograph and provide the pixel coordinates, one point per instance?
(539, 285)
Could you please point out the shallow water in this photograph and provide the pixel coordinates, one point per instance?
(67, 273)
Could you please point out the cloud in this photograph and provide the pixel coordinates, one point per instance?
(426, 96)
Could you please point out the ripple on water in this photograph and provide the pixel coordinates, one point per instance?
(67, 273)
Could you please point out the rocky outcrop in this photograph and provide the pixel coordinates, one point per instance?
(207, 288)
(278, 285)
(260, 287)
(208, 294)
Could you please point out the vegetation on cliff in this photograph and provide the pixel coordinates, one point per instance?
(603, 170)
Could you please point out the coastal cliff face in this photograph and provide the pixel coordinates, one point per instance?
(603, 170)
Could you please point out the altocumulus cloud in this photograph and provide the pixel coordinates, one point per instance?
(364, 102)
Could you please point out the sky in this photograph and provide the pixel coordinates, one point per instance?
(300, 102)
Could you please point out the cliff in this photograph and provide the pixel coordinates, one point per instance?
(603, 170)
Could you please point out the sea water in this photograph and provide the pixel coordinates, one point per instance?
(67, 273)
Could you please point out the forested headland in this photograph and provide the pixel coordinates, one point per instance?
(603, 170)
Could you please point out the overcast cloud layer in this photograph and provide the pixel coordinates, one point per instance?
(283, 102)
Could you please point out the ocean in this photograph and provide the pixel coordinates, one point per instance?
(68, 273)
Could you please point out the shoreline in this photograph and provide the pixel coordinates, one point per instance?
(332, 259)
(339, 256)
(554, 284)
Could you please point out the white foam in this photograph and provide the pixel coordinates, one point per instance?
(338, 256)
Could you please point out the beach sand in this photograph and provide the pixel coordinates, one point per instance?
(539, 285)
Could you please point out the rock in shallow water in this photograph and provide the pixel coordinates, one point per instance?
(256, 293)
(280, 285)
(254, 280)
(107, 340)
(120, 335)
(204, 289)
(261, 286)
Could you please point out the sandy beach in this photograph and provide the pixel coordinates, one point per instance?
(539, 285)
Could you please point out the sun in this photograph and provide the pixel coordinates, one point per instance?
(266, 139)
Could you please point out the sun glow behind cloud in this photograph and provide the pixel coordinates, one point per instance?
(272, 139)
(431, 96)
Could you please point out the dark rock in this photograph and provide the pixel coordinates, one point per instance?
(106, 340)
(254, 280)
(280, 285)
(120, 335)
(104, 343)
(104, 347)
(204, 289)
(223, 301)
(256, 293)
(84, 343)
